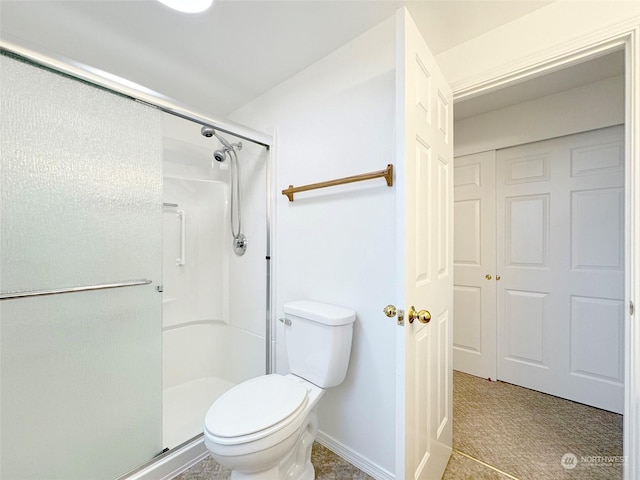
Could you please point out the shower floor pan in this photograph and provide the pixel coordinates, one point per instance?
(185, 405)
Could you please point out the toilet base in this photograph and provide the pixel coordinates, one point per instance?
(296, 465)
(271, 474)
(299, 466)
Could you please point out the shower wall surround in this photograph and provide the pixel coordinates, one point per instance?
(81, 203)
(195, 303)
(214, 309)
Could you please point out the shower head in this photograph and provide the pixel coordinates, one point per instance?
(220, 155)
(209, 132)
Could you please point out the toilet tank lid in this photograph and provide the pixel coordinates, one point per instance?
(320, 312)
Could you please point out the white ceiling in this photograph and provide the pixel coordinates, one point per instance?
(584, 73)
(222, 59)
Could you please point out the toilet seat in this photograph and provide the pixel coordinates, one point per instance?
(256, 409)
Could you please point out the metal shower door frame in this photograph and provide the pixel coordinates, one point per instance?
(192, 450)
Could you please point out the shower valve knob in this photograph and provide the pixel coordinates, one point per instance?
(240, 244)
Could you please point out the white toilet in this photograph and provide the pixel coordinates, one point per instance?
(264, 428)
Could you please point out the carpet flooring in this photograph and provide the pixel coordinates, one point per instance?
(501, 431)
(505, 431)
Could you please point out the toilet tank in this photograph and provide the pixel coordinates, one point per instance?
(318, 341)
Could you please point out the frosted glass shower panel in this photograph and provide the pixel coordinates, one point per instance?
(81, 384)
(81, 182)
(80, 205)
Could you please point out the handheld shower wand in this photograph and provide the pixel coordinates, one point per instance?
(239, 240)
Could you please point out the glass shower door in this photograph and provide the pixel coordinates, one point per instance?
(81, 206)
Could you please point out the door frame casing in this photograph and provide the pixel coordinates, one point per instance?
(627, 36)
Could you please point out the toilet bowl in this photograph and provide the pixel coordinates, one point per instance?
(264, 428)
(258, 428)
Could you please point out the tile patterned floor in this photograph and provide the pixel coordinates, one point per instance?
(327, 464)
(500, 431)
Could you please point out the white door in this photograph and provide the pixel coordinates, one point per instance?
(474, 265)
(425, 258)
(561, 247)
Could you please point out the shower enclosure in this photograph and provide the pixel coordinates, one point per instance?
(124, 310)
(213, 299)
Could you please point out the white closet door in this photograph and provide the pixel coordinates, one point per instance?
(560, 219)
(474, 263)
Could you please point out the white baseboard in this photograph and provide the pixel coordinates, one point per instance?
(172, 463)
(355, 459)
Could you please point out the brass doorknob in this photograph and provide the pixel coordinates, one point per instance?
(390, 311)
(487, 276)
(423, 316)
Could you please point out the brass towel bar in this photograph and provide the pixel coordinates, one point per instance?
(387, 173)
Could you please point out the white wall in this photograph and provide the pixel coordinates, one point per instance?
(336, 119)
(512, 45)
(596, 105)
